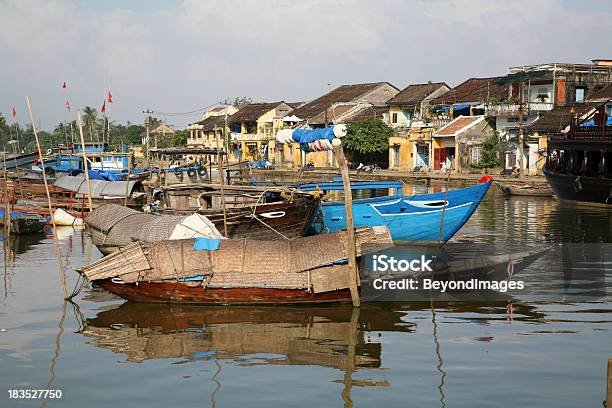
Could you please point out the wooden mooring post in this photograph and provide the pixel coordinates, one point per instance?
(609, 386)
(350, 229)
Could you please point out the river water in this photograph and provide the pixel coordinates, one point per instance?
(102, 351)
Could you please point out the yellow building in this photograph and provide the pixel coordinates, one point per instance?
(409, 148)
(209, 131)
(254, 127)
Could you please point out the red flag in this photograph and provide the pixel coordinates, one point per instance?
(67, 105)
(103, 107)
(110, 97)
(65, 85)
(14, 112)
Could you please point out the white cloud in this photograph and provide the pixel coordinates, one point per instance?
(203, 51)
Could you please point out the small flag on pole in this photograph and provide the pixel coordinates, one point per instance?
(67, 105)
(14, 112)
(110, 97)
(65, 85)
(103, 107)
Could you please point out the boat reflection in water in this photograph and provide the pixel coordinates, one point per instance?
(324, 336)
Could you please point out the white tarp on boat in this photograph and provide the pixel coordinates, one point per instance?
(195, 226)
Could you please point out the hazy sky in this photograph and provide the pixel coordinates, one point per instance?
(177, 56)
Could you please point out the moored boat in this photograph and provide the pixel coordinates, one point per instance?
(525, 190)
(114, 226)
(24, 222)
(579, 161)
(421, 219)
(235, 271)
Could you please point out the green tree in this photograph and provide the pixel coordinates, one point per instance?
(176, 139)
(241, 101)
(368, 136)
(90, 120)
(490, 155)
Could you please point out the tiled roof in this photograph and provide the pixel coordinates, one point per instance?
(603, 95)
(212, 122)
(474, 90)
(559, 118)
(252, 112)
(415, 93)
(458, 124)
(332, 114)
(344, 93)
(366, 113)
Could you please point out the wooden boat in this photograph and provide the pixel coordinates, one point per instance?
(235, 271)
(113, 226)
(414, 219)
(525, 190)
(23, 222)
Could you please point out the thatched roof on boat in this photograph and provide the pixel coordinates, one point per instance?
(315, 262)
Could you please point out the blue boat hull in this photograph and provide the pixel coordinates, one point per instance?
(413, 219)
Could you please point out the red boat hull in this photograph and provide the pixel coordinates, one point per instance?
(182, 293)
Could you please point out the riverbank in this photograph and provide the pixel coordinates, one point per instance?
(324, 173)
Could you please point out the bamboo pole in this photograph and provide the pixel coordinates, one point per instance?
(348, 203)
(5, 200)
(7, 210)
(444, 207)
(127, 182)
(221, 183)
(44, 174)
(85, 165)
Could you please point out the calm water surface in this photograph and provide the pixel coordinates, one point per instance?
(105, 352)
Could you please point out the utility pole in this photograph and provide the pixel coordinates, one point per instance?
(147, 114)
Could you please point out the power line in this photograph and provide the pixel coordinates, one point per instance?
(192, 112)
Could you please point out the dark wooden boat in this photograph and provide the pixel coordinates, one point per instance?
(24, 222)
(525, 190)
(579, 162)
(305, 270)
(113, 226)
(28, 224)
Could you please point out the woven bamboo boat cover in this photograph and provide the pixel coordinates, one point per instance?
(315, 262)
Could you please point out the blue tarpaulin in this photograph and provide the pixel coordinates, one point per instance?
(443, 109)
(308, 136)
(592, 122)
(460, 106)
(206, 244)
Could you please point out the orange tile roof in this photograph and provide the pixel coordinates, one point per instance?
(457, 125)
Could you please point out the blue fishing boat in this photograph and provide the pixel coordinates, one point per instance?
(414, 219)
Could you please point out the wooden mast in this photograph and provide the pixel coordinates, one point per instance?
(85, 165)
(44, 174)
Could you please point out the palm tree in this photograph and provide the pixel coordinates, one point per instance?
(90, 117)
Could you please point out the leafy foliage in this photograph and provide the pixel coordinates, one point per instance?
(241, 101)
(367, 136)
(490, 155)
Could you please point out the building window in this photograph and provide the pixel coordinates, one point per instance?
(580, 94)
(394, 118)
(396, 153)
(475, 154)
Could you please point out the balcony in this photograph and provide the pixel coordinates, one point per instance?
(512, 109)
(246, 137)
